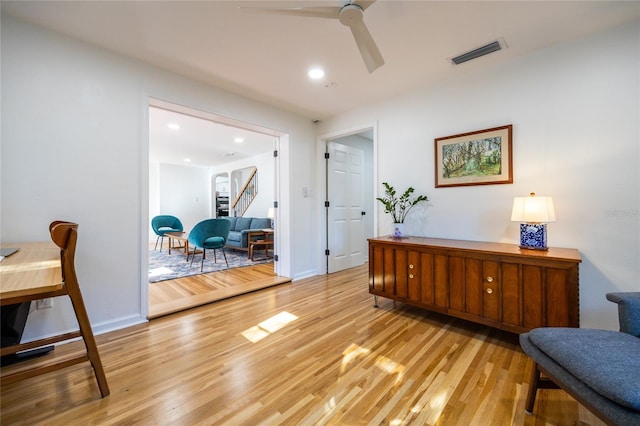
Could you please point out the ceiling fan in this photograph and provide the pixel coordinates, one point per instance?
(350, 15)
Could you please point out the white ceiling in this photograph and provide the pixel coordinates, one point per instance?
(266, 56)
(205, 143)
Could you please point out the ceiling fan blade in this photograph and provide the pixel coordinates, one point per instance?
(310, 12)
(370, 53)
(364, 4)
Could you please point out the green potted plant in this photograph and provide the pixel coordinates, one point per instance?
(399, 206)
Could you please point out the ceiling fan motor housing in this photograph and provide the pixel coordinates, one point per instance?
(350, 14)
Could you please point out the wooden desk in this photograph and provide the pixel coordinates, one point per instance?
(36, 272)
(34, 269)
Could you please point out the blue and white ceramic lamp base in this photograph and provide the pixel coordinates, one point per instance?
(533, 236)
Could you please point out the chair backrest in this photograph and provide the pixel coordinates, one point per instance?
(165, 221)
(209, 228)
(65, 235)
(628, 311)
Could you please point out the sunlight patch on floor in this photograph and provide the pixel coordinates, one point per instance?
(159, 271)
(269, 326)
(351, 353)
(390, 367)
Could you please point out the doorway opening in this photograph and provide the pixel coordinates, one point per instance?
(193, 180)
(350, 215)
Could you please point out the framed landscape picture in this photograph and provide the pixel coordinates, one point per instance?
(482, 157)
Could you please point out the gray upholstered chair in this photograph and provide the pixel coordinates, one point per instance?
(209, 234)
(599, 368)
(163, 224)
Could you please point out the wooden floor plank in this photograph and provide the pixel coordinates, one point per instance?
(313, 352)
(171, 296)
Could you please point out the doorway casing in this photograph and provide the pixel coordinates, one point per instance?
(321, 148)
(281, 191)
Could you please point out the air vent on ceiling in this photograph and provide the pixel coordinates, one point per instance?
(476, 53)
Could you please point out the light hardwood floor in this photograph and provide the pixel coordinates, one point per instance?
(313, 352)
(167, 297)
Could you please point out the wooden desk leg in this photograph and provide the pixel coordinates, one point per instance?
(89, 339)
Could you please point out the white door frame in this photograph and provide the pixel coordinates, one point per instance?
(281, 174)
(321, 144)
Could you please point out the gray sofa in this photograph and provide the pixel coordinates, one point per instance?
(240, 228)
(599, 368)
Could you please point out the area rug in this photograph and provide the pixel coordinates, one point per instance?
(164, 266)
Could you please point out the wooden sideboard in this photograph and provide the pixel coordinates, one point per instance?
(495, 284)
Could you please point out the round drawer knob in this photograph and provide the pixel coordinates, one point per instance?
(410, 275)
(411, 266)
(489, 290)
(490, 279)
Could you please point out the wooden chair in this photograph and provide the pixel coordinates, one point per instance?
(64, 235)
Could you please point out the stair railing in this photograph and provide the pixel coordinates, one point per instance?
(246, 195)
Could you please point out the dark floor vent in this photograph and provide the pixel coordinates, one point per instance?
(476, 53)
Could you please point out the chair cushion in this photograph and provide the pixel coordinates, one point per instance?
(606, 361)
(214, 242)
(242, 223)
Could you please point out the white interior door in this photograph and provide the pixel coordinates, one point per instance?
(345, 233)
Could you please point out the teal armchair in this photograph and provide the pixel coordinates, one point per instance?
(209, 234)
(163, 224)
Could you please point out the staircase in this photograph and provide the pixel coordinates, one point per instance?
(246, 195)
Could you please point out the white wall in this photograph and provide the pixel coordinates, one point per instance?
(184, 192)
(75, 147)
(575, 115)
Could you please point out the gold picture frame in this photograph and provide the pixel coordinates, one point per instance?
(483, 157)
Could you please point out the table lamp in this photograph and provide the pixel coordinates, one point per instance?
(535, 212)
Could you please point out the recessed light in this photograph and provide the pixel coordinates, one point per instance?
(238, 140)
(187, 160)
(173, 126)
(316, 73)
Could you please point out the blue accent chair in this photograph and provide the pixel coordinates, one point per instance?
(209, 234)
(163, 224)
(599, 368)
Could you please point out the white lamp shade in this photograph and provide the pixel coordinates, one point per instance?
(271, 213)
(533, 210)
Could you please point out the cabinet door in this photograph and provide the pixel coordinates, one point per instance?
(474, 288)
(511, 294)
(382, 269)
(433, 280)
(482, 288)
(395, 272)
(491, 291)
(408, 282)
(456, 283)
(414, 277)
(533, 296)
(402, 274)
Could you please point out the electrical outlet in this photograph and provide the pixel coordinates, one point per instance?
(44, 303)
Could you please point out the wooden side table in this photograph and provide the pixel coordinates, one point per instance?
(179, 236)
(265, 241)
